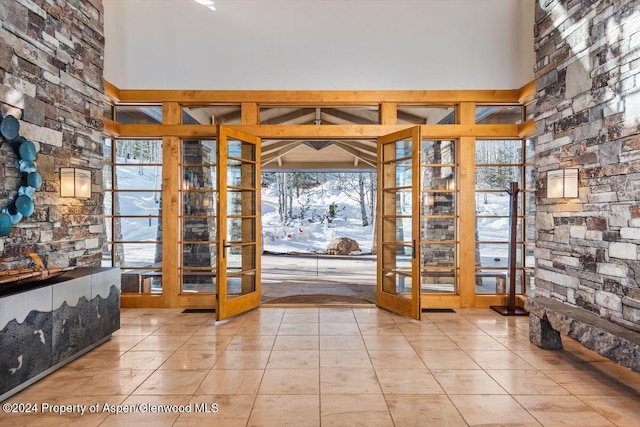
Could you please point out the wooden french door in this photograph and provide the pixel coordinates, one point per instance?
(398, 284)
(239, 222)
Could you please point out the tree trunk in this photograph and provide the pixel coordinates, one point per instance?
(363, 201)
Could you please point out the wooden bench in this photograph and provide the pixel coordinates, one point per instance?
(549, 318)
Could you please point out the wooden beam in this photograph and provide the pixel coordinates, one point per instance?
(527, 93)
(348, 117)
(293, 117)
(171, 114)
(320, 131)
(527, 129)
(388, 113)
(111, 91)
(266, 159)
(318, 165)
(466, 198)
(358, 154)
(111, 128)
(250, 113)
(268, 148)
(321, 97)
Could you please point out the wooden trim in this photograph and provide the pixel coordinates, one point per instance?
(111, 91)
(388, 113)
(485, 301)
(142, 301)
(320, 131)
(171, 114)
(320, 97)
(466, 210)
(527, 129)
(111, 128)
(250, 113)
(527, 93)
(439, 301)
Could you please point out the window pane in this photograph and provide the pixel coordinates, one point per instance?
(438, 229)
(497, 177)
(241, 230)
(438, 152)
(438, 178)
(492, 203)
(139, 229)
(137, 203)
(397, 230)
(438, 204)
(212, 115)
(145, 151)
(199, 254)
(139, 114)
(199, 178)
(492, 255)
(139, 177)
(137, 254)
(492, 281)
(438, 255)
(199, 229)
(499, 114)
(199, 152)
(408, 114)
(397, 202)
(501, 152)
(199, 281)
(438, 281)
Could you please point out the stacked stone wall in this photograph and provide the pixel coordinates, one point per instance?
(51, 79)
(587, 116)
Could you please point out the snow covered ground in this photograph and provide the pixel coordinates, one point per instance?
(310, 235)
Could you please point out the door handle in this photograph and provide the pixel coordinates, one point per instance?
(414, 249)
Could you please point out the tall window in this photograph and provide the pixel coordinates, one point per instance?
(498, 163)
(438, 216)
(198, 217)
(133, 207)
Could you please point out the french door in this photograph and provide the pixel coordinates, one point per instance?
(398, 284)
(239, 222)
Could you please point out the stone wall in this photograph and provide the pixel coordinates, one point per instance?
(51, 79)
(587, 76)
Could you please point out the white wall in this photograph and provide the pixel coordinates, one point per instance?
(319, 44)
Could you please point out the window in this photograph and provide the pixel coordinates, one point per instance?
(198, 216)
(132, 202)
(438, 216)
(498, 163)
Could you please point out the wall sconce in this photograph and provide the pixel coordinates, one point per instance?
(562, 183)
(75, 182)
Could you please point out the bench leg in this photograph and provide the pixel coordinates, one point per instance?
(542, 334)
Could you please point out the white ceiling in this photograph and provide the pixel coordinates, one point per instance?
(319, 44)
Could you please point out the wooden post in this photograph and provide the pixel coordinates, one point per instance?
(510, 309)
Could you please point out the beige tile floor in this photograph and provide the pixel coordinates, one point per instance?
(333, 367)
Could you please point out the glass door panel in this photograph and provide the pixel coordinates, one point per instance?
(239, 214)
(398, 268)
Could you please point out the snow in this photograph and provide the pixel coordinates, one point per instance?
(311, 234)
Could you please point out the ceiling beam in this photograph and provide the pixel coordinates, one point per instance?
(372, 161)
(349, 118)
(278, 154)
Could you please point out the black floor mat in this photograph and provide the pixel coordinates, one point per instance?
(199, 310)
(438, 310)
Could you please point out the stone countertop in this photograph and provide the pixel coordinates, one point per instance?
(16, 288)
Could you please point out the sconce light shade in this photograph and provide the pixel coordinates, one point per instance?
(75, 182)
(562, 183)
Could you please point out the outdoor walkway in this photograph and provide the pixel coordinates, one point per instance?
(349, 276)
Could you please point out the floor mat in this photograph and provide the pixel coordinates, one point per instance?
(318, 299)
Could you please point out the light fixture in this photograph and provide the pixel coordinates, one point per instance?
(75, 182)
(208, 3)
(562, 183)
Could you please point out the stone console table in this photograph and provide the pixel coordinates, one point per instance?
(44, 325)
(549, 318)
